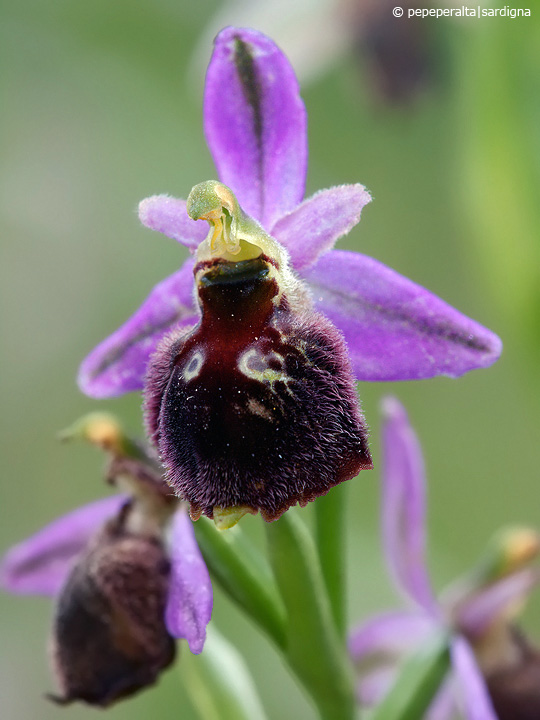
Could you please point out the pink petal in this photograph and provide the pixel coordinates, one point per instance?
(389, 634)
(313, 227)
(395, 329)
(40, 564)
(473, 695)
(168, 215)
(478, 611)
(403, 507)
(118, 364)
(189, 605)
(255, 123)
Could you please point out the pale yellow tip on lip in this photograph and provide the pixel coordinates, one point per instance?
(225, 518)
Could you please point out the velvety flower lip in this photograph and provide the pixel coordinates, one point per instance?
(390, 635)
(41, 564)
(255, 125)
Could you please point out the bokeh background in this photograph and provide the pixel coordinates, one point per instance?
(101, 106)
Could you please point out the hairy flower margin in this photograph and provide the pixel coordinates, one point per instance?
(477, 612)
(255, 125)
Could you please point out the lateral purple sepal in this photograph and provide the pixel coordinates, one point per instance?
(190, 600)
(40, 564)
(389, 633)
(168, 215)
(403, 508)
(475, 701)
(396, 329)
(477, 612)
(313, 227)
(255, 123)
(118, 364)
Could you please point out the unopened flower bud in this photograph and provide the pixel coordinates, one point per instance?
(109, 635)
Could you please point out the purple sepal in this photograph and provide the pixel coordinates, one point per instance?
(313, 227)
(255, 123)
(477, 613)
(40, 564)
(390, 633)
(395, 329)
(403, 507)
(472, 692)
(190, 600)
(118, 364)
(168, 215)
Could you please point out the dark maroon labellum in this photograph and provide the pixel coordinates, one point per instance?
(256, 406)
(109, 635)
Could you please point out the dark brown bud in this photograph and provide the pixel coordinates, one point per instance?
(256, 407)
(398, 53)
(515, 689)
(109, 636)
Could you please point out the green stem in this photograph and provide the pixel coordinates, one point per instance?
(244, 575)
(314, 650)
(219, 684)
(330, 538)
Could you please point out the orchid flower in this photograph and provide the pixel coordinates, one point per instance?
(126, 575)
(476, 613)
(255, 125)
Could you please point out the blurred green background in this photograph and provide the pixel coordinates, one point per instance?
(101, 107)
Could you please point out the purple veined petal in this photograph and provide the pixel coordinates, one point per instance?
(389, 634)
(375, 684)
(403, 507)
(395, 329)
(471, 688)
(255, 123)
(189, 605)
(501, 599)
(313, 227)
(40, 564)
(168, 215)
(118, 364)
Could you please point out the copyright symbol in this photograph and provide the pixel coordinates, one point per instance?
(397, 12)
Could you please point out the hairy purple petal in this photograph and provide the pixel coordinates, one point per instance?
(477, 612)
(189, 605)
(472, 691)
(118, 364)
(313, 227)
(403, 507)
(255, 123)
(391, 634)
(395, 329)
(40, 564)
(168, 215)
